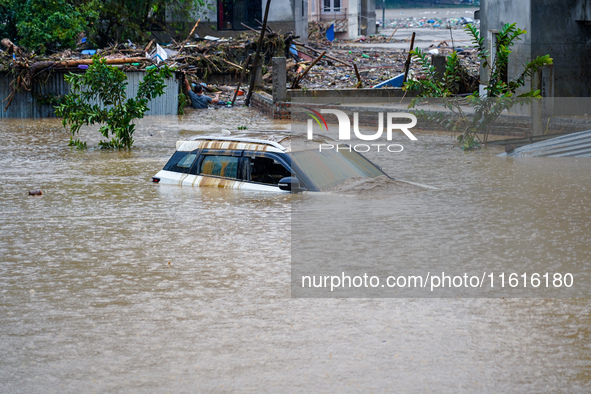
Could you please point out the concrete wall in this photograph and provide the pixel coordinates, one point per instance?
(560, 28)
(353, 20)
(367, 15)
(494, 14)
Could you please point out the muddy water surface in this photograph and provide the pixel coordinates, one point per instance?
(109, 282)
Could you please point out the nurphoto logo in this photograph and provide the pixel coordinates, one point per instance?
(345, 130)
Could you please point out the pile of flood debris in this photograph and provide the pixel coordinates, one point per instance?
(434, 22)
(316, 65)
(198, 58)
(375, 65)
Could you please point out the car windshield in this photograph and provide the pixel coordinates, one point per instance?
(328, 168)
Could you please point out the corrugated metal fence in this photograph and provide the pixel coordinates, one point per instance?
(31, 104)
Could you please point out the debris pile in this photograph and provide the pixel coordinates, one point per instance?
(374, 65)
(196, 57)
(431, 23)
(319, 64)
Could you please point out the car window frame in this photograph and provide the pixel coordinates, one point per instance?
(189, 169)
(281, 158)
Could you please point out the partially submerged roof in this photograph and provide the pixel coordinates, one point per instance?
(569, 145)
(265, 141)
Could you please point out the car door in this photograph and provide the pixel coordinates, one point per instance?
(265, 169)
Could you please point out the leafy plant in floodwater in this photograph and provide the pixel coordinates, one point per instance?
(501, 93)
(242, 127)
(99, 96)
(77, 143)
(183, 102)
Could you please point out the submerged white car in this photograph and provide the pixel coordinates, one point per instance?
(272, 161)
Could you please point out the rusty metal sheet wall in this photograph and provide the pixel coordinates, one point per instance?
(26, 104)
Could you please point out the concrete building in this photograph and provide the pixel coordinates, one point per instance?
(224, 18)
(560, 28)
(351, 18)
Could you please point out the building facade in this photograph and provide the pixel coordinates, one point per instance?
(351, 18)
(226, 18)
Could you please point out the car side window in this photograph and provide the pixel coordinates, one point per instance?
(267, 170)
(223, 166)
(181, 162)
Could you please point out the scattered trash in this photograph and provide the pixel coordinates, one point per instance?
(160, 54)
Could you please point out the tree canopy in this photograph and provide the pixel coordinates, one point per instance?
(53, 25)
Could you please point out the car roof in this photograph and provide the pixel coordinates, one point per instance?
(265, 141)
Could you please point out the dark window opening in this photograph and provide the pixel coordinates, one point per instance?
(181, 162)
(232, 12)
(266, 170)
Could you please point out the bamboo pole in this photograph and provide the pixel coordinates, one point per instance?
(297, 80)
(359, 83)
(255, 63)
(326, 56)
(73, 63)
(240, 80)
(407, 64)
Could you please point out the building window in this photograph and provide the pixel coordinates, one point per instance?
(332, 6)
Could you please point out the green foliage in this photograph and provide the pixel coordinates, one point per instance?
(99, 96)
(77, 143)
(501, 92)
(45, 25)
(432, 86)
(183, 102)
(48, 99)
(123, 20)
(55, 25)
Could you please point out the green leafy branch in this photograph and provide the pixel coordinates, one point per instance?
(99, 96)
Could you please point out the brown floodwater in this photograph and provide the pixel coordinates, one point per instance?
(109, 282)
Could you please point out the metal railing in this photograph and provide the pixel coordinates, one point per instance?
(329, 14)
